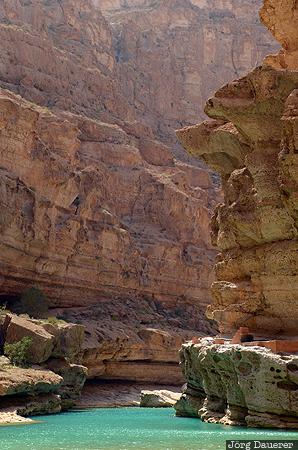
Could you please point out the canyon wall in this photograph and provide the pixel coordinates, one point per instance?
(173, 54)
(251, 140)
(96, 211)
(104, 203)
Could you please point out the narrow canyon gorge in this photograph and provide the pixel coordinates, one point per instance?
(109, 216)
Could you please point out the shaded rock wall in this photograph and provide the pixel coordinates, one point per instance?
(252, 142)
(173, 54)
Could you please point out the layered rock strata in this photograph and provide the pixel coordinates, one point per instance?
(95, 210)
(103, 204)
(135, 339)
(198, 44)
(94, 215)
(252, 143)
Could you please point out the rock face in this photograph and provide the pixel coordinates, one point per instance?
(234, 385)
(95, 210)
(96, 218)
(42, 342)
(197, 44)
(114, 395)
(123, 342)
(16, 380)
(105, 204)
(57, 340)
(252, 142)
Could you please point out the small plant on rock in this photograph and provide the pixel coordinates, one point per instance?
(3, 309)
(18, 352)
(55, 321)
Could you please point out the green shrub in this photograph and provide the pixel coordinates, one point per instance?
(3, 309)
(55, 321)
(18, 352)
(35, 303)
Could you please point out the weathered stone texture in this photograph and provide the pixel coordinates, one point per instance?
(173, 54)
(251, 141)
(235, 385)
(100, 207)
(95, 210)
(84, 216)
(55, 383)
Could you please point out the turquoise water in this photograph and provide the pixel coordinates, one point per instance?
(125, 429)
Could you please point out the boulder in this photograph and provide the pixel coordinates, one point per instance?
(69, 338)
(42, 344)
(74, 377)
(159, 399)
(40, 405)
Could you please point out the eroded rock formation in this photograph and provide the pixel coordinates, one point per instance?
(252, 142)
(93, 215)
(158, 399)
(234, 385)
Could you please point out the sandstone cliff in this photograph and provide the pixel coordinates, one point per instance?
(95, 210)
(252, 143)
(173, 54)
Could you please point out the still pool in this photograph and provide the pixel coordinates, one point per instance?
(125, 429)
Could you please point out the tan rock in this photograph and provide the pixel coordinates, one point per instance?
(281, 19)
(173, 54)
(12, 418)
(42, 342)
(69, 338)
(136, 232)
(242, 385)
(252, 142)
(159, 399)
(118, 346)
(16, 381)
(96, 210)
(98, 394)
